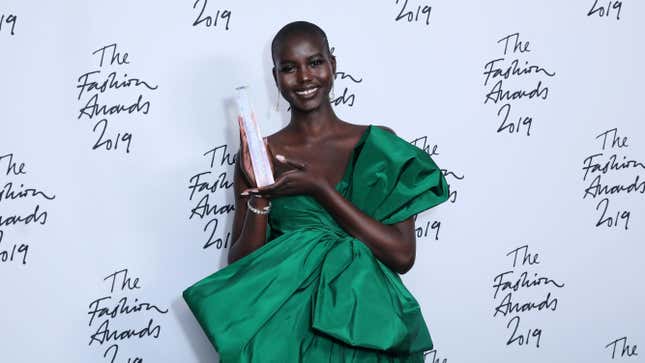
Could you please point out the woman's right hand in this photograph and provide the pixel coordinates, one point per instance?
(245, 156)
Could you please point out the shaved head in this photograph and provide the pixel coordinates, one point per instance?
(298, 28)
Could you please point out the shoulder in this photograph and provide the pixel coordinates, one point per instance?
(386, 129)
(277, 136)
(279, 139)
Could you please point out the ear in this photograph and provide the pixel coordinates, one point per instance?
(275, 78)
(332, 59)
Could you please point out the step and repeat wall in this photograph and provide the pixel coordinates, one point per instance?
(118, 141)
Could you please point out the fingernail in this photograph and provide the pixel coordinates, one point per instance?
(279, 157)
(244, 193)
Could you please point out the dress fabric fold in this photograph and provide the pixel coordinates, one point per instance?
(312, 292)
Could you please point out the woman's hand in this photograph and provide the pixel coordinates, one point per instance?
(245, 155)
(299, 180)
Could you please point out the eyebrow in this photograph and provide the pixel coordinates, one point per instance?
(311, 56)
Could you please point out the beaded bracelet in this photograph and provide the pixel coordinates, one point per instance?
(265, 210)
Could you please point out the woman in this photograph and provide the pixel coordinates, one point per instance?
(312, 274)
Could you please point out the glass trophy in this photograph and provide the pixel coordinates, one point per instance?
(257, 149)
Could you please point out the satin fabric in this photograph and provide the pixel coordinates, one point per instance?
(313, 293)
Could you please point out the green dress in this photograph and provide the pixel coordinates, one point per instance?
(312, 292)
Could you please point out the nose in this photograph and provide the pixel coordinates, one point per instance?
(304, 74)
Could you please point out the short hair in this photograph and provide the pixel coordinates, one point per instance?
(302, 27)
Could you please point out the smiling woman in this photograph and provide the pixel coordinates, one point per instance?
(304, 67)
(315, 279)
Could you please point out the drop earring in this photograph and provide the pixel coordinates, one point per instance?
(277, 102)
(332, 96)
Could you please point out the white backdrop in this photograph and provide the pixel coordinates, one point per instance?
(533, 110)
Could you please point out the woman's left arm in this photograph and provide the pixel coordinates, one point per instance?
(393, 244)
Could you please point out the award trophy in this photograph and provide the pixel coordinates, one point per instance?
(257, 149)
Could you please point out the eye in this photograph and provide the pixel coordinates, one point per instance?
(287, 68)
(317, 62)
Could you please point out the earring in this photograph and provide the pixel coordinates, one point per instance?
(277, 102)
(332, 96)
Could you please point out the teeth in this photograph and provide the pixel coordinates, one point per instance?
(307, 92)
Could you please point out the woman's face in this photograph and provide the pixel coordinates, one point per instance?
(304, 71)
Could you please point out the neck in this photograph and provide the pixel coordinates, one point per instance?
(314, 122)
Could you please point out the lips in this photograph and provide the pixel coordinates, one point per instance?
(307, 92)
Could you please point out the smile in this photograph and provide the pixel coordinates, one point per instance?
(307, 92)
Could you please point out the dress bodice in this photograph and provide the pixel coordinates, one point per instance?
(299, 212)
(289, 213)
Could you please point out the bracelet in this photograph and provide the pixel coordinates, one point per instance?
(265, 210)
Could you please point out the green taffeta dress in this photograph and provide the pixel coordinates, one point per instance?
(313, 293)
